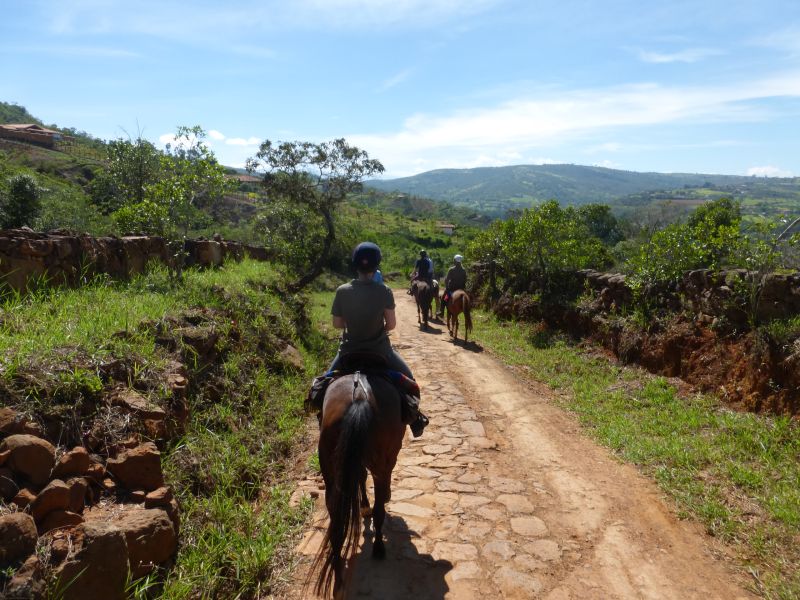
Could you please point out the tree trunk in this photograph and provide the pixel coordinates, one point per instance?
(316, 268)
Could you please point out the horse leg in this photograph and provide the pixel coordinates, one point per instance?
(366, 511)
(382, 496)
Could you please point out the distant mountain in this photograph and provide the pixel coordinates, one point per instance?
(495, 190)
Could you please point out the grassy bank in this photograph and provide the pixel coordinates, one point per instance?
(737, 473)
(230, 467)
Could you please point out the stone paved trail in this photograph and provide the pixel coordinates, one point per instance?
(504, 497)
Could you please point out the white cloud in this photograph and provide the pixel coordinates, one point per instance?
(554, 116)
(769, 171)
(78, 51)
(158, 18)
(251, 141)
(395, 80)
(215, 135)
(689, 55)
(785, 40)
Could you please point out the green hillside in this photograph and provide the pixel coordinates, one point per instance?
(496, 190)
(14, 113)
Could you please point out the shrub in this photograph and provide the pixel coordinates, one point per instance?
(21, 203)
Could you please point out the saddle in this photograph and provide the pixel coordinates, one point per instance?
(371, 365)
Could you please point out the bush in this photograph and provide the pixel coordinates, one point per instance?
(711, 239)
(535, 249)
(144, 218)
(21, 203)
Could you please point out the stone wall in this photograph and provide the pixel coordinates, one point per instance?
(28, 257)
(711, 294)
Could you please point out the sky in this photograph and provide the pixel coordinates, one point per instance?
(702, 86)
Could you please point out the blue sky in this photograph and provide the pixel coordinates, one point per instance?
(703, 86)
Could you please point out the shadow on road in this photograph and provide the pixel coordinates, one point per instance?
(430, 330)
(403, 574)
(471, 346)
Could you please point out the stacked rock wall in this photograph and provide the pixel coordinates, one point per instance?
(28, 258)
(726, 293)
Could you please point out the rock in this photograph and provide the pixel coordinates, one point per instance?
(291, 357)
(8, 486)
(24, 497)
(513, 584)
(412, 510)
(138, 468)
(529, 526)
(78, 486)
(96, 472)
(544, 549)
(515, 503)
(74, 463)
(53, 497)
(30, 456)
(173, 512)
(160, 497)
(150, 536)
(473, 428)
(58, 519)
(28, 581)
(454, 552)
(133, 402)
(202, 340)
(498, 550)
(98, 565)
(13, 422)
(17, 538)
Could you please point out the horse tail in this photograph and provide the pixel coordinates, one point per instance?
(344, 506)
(467, 317)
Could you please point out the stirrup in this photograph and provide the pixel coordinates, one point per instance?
(419, 424)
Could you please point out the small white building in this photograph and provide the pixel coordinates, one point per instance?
(447, 228)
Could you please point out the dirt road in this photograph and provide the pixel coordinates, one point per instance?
(504, 497)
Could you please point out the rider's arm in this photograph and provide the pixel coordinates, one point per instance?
(389, 319)
(338, 322)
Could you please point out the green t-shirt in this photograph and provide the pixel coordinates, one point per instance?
(361, 304)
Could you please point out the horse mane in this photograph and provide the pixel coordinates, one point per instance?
(344, 531)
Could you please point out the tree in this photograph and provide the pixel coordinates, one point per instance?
(535, 249)
(21, 203)
(316, 178)
(133, 166)
(191, 179)
(601, 223)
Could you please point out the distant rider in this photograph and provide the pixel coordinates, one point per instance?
(423, 270)
(456, 279)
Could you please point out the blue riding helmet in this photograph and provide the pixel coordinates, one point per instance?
(366, 256)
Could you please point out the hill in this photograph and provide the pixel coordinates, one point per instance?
(496, 190)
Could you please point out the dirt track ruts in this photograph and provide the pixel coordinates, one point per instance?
(505, 497)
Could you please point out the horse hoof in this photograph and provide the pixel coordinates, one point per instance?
(379, 551)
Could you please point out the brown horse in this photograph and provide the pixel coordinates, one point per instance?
(361, 429)
(457, 303)
(423, 294)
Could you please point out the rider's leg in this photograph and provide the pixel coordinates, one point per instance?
(396, 363)
(416, 420)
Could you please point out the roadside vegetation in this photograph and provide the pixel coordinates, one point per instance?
(230, 469)
(737, 473)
